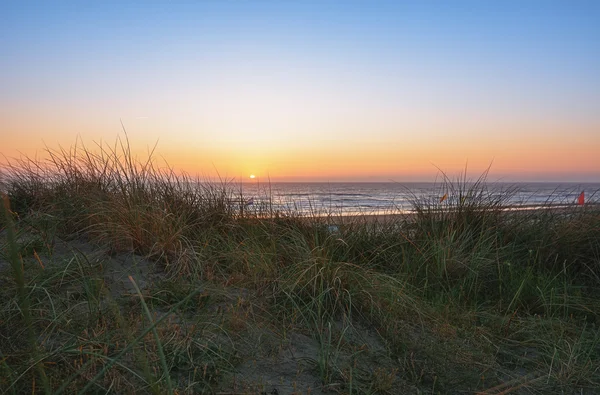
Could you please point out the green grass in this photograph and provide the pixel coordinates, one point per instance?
(119, 276)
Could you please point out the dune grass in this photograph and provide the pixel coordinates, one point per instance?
(121, 276)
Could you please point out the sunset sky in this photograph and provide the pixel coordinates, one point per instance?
(311, 90)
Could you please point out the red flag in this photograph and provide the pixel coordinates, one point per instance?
(581, 199)
(444, 197)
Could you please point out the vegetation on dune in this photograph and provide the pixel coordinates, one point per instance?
(117, 275)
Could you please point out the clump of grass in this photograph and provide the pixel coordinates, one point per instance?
(463, 206)
(110, 196)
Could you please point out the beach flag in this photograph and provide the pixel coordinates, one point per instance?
(444, 197)
(581, 199)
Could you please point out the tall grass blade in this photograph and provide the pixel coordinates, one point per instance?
(24, 301)
(161, 354)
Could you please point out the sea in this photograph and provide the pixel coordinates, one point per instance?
(362, 198)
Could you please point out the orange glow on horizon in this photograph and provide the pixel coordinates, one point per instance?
(368, 163)
(539, 152)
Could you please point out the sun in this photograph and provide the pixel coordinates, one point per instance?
(252, 176)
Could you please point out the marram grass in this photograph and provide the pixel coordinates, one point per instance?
(120, 276)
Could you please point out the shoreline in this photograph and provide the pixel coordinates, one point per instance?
(390, 217)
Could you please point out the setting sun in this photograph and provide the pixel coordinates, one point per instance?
(252, 176)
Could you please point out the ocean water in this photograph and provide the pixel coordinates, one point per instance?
(391, 197)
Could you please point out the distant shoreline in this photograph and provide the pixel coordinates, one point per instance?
(386, 218)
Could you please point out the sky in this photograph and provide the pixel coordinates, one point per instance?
(310, 90)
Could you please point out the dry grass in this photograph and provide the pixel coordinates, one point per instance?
(464, 297)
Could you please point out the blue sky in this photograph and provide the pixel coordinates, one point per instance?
(367, 90)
